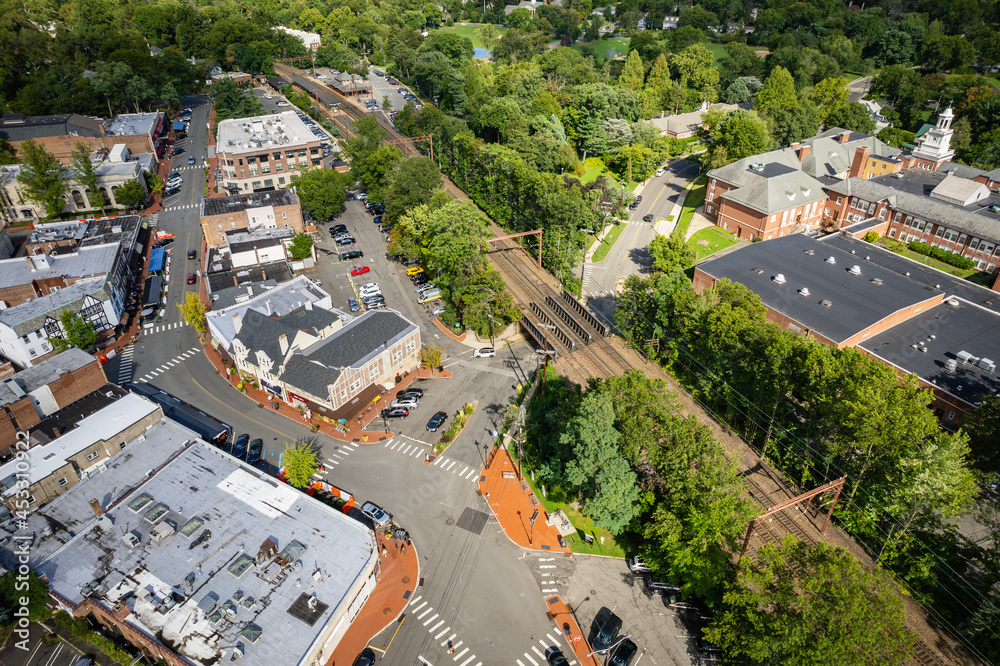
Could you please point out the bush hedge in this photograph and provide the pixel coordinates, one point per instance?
(956, 260)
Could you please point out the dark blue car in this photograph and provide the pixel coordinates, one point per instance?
(240, 447)
(256, 448)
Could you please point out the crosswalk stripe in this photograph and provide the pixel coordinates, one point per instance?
(434, 628)
(468, 660)
(431, 619)
(416, 608)
(407, 449)
(417, 453)
(443, 632)
(459, 655)
(450, 466)
(540, 655)
(445, 641)
(415, 599)
(529, 658)
(430, 609)
(555, 641)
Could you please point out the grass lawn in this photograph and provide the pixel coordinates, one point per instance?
(695, 198)
(601, 47)
(718, 51)
(940, 265)
(716, 238)
(470, 32)
(582, 523)
(595, 168)
(609, 241)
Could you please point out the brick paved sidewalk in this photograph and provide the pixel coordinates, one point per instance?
(513, 503)
(400, 574)
(562, 615)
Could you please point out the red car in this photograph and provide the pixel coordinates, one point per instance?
(191, 278)
(360, 270)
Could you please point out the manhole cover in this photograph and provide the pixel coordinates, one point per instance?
(450, 521)
(593, 591)
(386, 611)
(406, 579)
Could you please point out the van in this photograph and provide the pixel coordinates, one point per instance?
(414, 270)
(429, 295)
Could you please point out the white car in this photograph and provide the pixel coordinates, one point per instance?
(282, 103)
(485, 352)
(268, 96)
(638, 566)
(660, 172)
(376, 513)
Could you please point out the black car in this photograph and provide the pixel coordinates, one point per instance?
(336, 228)
(419, 279)
(411, 393)
(623, 654)
(395, 413)
(555, 657)
(176, 151)
(436, 421)
(192, 254)
(163, 243)
(345, 241)
(647, 218)
(256, 448)
(353, 254)
(172, 191)
(633, 205)
(240, 446)
(604, 629)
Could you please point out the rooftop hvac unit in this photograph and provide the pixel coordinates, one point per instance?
(986, 364)
(854, 270)
(779, 278)
(831, 260)
(950, 365)
(923, 349)
(804, 291)
(963, 357)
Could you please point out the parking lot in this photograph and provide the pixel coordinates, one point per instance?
(381, 88)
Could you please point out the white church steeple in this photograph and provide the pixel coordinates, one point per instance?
(935, 146)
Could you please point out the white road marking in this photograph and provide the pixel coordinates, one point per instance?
(429, 610)
(459, 655)
(434, 628)
(431, 619)
(416, 608)
(443, 632)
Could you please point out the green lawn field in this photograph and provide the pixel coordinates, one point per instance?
(470, 32)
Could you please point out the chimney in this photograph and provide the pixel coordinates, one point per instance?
(845, 137)
(283, 343)
(804, 152)
(795, 145)
(309, 304)
(237, 321)
(96, 506)
(860, 159)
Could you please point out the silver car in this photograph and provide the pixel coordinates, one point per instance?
(376, 513)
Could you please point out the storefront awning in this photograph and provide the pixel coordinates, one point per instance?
(156, 259)
(358, 404)
(178, 126)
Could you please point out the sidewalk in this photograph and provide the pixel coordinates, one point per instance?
(400, 574)
(513, 503)
(562, 615)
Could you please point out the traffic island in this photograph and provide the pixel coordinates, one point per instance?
(448, 437)
(520, 514)
(400, 575)
(562, 614)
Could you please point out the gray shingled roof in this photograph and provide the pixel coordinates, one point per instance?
(360, 340)
(981, 223)
(18, 127)
(260, 333)
(44, 373)
(311, 376)
(31, 316)
(316, 319)
(776, 188)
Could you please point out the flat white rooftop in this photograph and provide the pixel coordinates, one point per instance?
(260, 134)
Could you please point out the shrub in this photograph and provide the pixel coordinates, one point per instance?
(951, 258)
(871, 237)
(893, 245)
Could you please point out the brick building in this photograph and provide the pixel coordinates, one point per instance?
(846, 293)
(37, 392)
(59, 134)
(281, 579)
(251, 211)
(262, 153)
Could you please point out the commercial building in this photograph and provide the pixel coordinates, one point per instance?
(262, 153)
(310, 40)
(113, 170)
(59, 134)
(258, 210)
(847, 293)
(31, 395)
(194, 557)
(60, 464)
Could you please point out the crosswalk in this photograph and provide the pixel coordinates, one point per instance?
(340, 453)
(147, 329)
(176, 207)
(415, 448)
(177, 360)
(547, 575)
(536, 656)
(125, 365)
(424, 613)
(588, 272)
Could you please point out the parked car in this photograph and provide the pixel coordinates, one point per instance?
(436, 421)
(439, 309)
(378, 219)
(255, 450)
(172, 191)
(376, 305)
(409, 403)
(360, 270)
(660, 172)
(555, 657)
(353, 305)
(633, 205)
(661, 586)
(603, 630)
(192, 254)
(376, 513)
(282, 103)
(623, 654)
(163, 243)
(336, 228)
(419, 393)
(176, 151)
(420, 281)
(346, 241)
(704, 646)
(174, 174)
(372, 299)
(352, 254)
(192, 278)
(240, 445)
(397, 413)
(485, 352)
(638, 566)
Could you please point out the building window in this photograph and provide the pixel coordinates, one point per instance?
(276, 156)
(961, 239)
(290, 154)
(31, 500)
(63, 482)
(281, 180)
(279, 167)
(939, 231)
(301, 152)
(256, 184)
(840, 200)
(284, 216)
(92, 455)
(354, 386)
(373, 371)
(33, 353)
(951, 415)
(253, 172)
(881, 213)
(251, 159)
(410, 346)
(854, 202)
(265, 169)
(871, 208)
(262, 158)
(268, 182)
(974, 243)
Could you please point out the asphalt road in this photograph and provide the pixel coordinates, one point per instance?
(630, 254)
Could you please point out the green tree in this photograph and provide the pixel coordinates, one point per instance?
(131, 194)
(632, 73)
(983, 427)
(7, 153)
(111, 80)
(321, 192)
(854, 116)
(742, 134)
(672, 251)
(41, 178)
(592, 439)
(778, 92)
(83, 171)
(829, 95)
(300, 461)
(431, 356)
(797, 604)
(796, 122)
(77, 332)
(413, 183)
(15, 590)
(300, 247)
(193, 312)
(616, 498)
